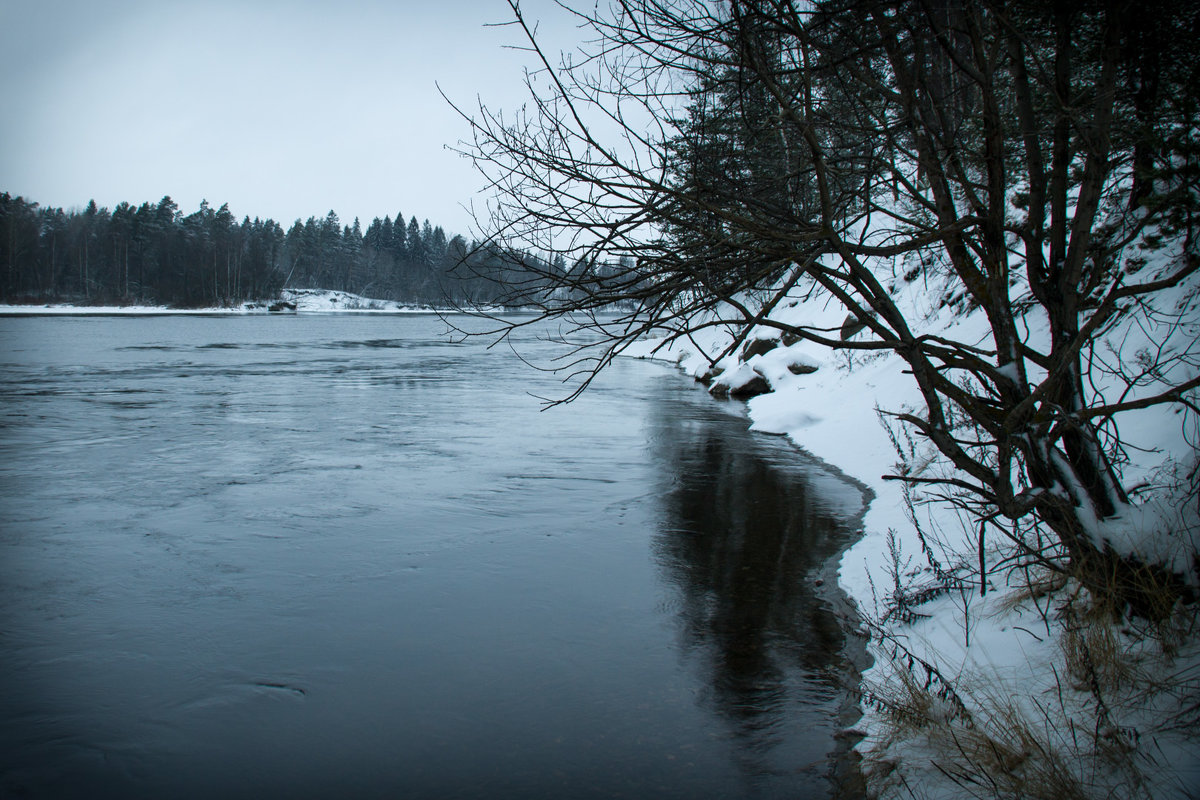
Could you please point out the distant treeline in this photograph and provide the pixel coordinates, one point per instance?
(154, 253)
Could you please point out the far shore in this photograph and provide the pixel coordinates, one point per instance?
(292, 301)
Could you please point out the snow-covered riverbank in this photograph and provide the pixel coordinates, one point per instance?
(993, 668)
(303, 301)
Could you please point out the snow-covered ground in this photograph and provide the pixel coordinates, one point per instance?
(306, 301)
(68, 309)
(1003, 654)
(313, 301)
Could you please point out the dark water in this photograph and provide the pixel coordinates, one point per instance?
(342, 556)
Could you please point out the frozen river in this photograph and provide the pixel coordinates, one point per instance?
(343, 556)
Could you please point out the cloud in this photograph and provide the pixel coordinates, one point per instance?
(281, 109)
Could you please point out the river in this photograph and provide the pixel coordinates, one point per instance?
(348, 556)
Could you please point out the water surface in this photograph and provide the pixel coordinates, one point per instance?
(345, 556)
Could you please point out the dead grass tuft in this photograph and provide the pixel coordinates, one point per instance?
(995, 751)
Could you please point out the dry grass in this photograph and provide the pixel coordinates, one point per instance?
(996, 751)
(1073, 739)
(1115, 713)
(1038, 585)
(1096, 659)
(1007, 754)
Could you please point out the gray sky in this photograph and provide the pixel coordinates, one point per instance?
(282, 109)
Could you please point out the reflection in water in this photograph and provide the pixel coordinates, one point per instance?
(745, 540)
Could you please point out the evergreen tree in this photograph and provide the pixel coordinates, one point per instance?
(399, 240)
(155, 253)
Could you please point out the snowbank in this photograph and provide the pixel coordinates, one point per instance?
(67, 309)
(302, 301)
(997, 651)
(324, 301)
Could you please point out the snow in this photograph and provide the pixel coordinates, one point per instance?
(307, 301)
(324, 301)
(1156, 532)
(998, 650)
(67, 309)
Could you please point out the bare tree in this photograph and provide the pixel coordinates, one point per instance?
(723, 156)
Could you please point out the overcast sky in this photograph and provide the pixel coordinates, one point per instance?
(282, 108)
